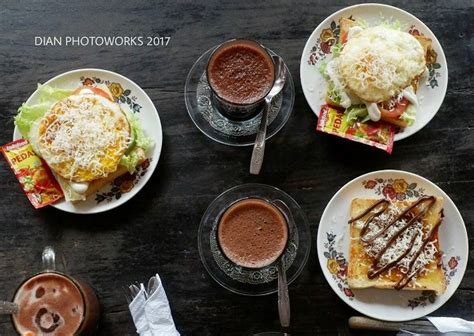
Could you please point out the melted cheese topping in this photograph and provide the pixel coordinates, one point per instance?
(83, 137)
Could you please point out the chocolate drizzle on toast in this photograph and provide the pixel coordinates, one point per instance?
(392, 228)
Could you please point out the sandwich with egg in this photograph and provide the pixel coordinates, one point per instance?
(84, 136)
(375, 72)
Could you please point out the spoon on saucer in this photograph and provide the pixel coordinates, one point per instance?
(284, 310)
(259, 147)
(8, 308)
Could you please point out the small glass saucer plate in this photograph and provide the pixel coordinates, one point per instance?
(246, 281)
(208, 119)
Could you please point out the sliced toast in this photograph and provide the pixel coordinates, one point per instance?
(360, 261)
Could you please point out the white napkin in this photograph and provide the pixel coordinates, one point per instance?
(449, 324)
(151, 312)
(137, 309)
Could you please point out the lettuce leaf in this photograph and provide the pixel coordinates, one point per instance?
(392, 24)
(140, 145)
(131, 160)
(336, 49)
(361, 23)
(29, 114)
(409, 115)
(323, 64)
(333, 93)
(48, 95)
(357, 112)
(51, 94)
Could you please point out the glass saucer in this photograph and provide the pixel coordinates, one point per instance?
(208, 119)
(246, 281)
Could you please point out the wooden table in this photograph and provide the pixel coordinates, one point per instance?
(156, 231)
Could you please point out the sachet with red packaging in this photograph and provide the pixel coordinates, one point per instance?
(376, 134)
(33, 173)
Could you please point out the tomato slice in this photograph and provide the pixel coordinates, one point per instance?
(396, 111)
(95, 90)
(344, 37)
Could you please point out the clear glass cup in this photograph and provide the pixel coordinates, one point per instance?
(251, 281)
(51, 302)
(279, 207)
(235, 110)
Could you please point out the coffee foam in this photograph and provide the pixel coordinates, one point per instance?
(252, 233)
(50, 304)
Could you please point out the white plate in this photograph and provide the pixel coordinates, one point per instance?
(431, 95)
(129, 94)
(333, 246)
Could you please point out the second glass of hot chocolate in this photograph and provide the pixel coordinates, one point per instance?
(253, 233)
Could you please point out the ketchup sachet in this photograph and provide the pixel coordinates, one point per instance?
(376, 134)
(32, 172)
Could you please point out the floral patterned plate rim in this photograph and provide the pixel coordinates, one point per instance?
(318, 45)
(333, 246)
(130, 96)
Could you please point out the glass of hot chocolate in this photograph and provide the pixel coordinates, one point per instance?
(253, 232)
(249, 235)
(241, 73)
(53, 303)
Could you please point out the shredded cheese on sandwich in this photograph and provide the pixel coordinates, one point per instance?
(400, 245)
(378, 63)
(83, 137)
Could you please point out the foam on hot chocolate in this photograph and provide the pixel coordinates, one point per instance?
(252, 233)
(50, 304)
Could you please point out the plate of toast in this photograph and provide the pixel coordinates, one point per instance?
(97, 132)
(392, 245)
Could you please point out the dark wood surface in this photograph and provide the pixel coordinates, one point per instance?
(156, 231)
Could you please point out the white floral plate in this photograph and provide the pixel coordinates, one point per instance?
(131, 96)
(333, 246)
(318, 47)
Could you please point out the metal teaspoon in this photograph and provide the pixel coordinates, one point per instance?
(259, 147)
(284, 310)
(8, 307)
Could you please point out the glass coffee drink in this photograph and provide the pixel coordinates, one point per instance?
(55, 304)
(252, 233)
(240, 73)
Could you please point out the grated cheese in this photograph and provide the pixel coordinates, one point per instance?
(401, 243)
(84, 133)
(379, 62)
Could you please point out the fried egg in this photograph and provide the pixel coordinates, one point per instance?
(378, 63)
(83, 137)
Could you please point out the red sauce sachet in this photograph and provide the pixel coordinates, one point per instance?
(33, 173)
(375, 134)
